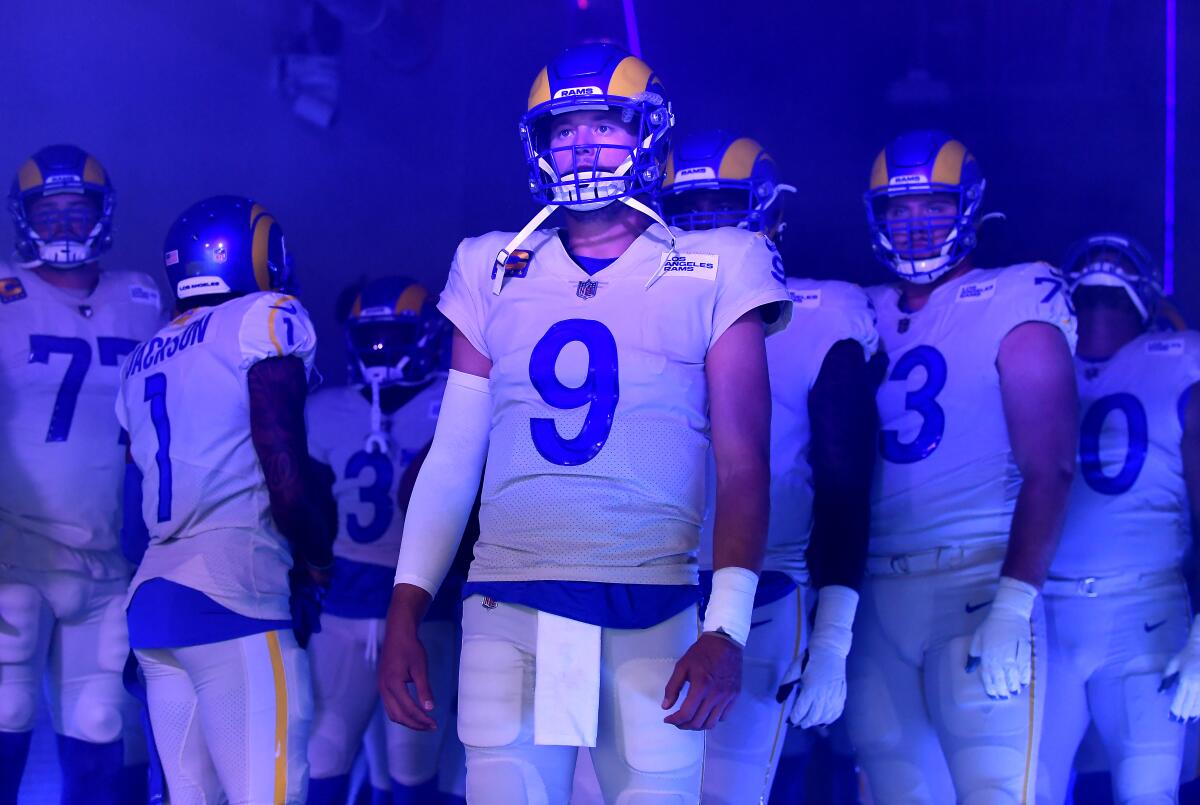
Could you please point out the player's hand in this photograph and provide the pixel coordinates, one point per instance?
(712, 670)
(820, 688)
(403, 666)
(1183, 670)
(1002, 648)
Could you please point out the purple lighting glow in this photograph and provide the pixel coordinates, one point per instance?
(631, 29)
(1169, 157)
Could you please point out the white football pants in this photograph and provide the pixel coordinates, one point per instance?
(231, 717)
(924, 728)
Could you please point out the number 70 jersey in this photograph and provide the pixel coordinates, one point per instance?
(946, 475)
(185, 402)
(596, 461)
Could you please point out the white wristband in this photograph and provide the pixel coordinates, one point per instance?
(731, 603)
(834, 619)
(447, 483)
(1015, 596)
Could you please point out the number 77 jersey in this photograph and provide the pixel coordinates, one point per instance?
(596, 462)
(947, 475)
(185, 403)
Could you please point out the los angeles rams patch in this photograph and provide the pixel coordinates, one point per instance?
(701, 266)
(11, 290)
(976, 292)
(806, 299)
(143, 295)
(1165, 346)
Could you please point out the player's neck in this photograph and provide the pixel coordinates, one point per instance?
(604, 233)
(82, 278)
(915, 296)
(1102, 333)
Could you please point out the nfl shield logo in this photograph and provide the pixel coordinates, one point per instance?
(587, 289)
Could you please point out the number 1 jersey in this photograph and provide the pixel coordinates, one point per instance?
(1128, 510)
(596, 464)
(184, 399)
(947, 476)
(61, 452)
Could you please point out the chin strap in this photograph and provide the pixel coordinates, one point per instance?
(548, 210)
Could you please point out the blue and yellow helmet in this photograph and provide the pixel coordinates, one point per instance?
(226, 245)
(53, 170)
(596, 76)
(921, 248)
(395, 333)
(1114, 260)
(715, 178)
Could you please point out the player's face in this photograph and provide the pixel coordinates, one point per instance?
(917, 223)
(1104, 303)
(579, 140)
(65, 216)
(719, 207)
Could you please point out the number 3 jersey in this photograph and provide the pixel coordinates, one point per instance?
(366, 483)
(61, 452)
(1128, 510)
(185, 401)
(947, 475)
(596, 464)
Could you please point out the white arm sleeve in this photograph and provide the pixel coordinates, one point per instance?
(445, 489)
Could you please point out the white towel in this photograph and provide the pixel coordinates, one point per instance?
(566, 691)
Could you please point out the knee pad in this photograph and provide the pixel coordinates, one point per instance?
(331, 751)
(96, 720)
(18, 707)
(504, 780)
(413, 756)
(495, 694)
(648, 745)
(20, 622)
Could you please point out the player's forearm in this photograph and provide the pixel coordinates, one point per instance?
(1036, 524)
(444, 492)
(742, 508)
(844, 420)
(407, 608)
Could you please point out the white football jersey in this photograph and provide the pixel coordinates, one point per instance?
(339, 420)
(824, 312)
(61, 452)
(1128, 509)
(946, 474)
(185, 402)
(596, 465)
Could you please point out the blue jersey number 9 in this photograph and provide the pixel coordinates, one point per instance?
(599, 391)
(1089, 443)
(922, 400)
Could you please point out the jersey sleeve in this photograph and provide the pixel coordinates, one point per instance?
(832, 312)
(1035, 292)
(753, 279)
(461, 300)
(275, 325)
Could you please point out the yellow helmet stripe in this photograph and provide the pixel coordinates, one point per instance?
(540, 91)
(29, 175)
(739, 158)
(412, 300)
(947, 167)
(262, 221)
(879, 175)
(93, 172)
(631, 78)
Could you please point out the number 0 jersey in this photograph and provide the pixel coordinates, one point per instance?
(823, 313)
(1128, 510)
(947, 475)
(339, 421)
(596, 464)
(185, 402)
(61, 453)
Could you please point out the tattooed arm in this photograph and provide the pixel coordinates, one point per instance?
(299, 504)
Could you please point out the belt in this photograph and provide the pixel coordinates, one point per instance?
(943, 558)
(1093, 586)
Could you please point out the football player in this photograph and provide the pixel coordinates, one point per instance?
(1116, 602)
(592, 365)
(822, 453)
(371, 435)
(214, 406)
(977, 439)
(66, 325)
